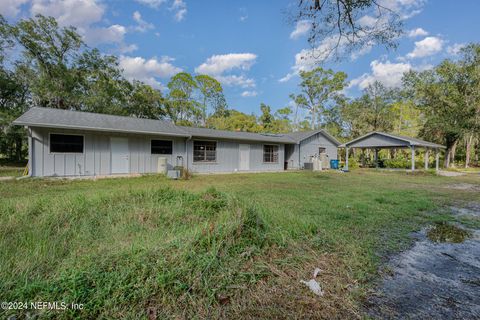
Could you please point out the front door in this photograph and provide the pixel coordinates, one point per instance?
(120, 155)
(244, 157)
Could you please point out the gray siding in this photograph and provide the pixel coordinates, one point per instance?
(96, 158)
(228, 157)
(308, 148)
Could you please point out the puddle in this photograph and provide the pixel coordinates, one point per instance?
(470, 210)
(433, 279)
(445, 232)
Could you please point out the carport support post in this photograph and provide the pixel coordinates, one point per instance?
(413, 157)
(346, 158)
(437, 157)
(426, 159)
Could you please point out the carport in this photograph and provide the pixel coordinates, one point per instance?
(381, 140)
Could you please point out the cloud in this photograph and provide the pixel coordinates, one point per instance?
(218, 65)
(243, 14)
(147, 71)
(84, 15)
(155, 4)
(180, 8)
(454, 49)
(301, 29)
(426, 47)
(390, 74)
(419, 32)
(249, 94)
(11, 8)
(142, 25)
(113, 34)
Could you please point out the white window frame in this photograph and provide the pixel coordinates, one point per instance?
(278, 153)
(204, 162)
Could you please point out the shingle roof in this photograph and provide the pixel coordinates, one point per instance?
(237, 135)
(57, 118)
(302, 135)
(411, 141)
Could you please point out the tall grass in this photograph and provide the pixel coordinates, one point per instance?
(119, 253)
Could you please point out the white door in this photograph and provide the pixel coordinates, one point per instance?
(244, 157)
(120, 155)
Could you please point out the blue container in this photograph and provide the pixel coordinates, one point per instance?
(334, 164)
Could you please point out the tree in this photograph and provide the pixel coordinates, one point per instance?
(181, 105)
(211, 95)
(266, 118)
(442, 95)
(319, 88)
(338, 27)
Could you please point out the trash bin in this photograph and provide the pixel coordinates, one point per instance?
(334, 164)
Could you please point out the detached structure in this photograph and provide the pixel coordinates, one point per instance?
(381, 140)
(73, 143)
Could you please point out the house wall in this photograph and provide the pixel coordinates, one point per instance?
(308, 148)
(96, 158)
(228, 157)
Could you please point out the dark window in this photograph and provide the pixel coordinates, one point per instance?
(270, 153)
(161, 147)
(322, 150)
(204, 151)
(66, 143)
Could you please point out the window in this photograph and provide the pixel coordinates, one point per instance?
(321, 150)
(161, 147)
(270, 153)
(66, 143)
(204, 151)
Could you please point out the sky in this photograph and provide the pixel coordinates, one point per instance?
(250, 46)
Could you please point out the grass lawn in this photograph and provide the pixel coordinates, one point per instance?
(216, 246)
(11, 171)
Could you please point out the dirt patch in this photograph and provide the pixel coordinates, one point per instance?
(446, 232)
(283, 296)
(431, 280)
(463, 186)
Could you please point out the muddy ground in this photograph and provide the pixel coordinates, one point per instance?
(437, 278)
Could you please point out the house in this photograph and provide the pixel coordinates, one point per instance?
(73, 143)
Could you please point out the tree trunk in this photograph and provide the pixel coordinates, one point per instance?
(448, 153)
(454, 150)
(468, 150)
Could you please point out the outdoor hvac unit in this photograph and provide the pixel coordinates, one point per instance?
(162, 165)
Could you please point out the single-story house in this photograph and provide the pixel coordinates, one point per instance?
(74, 143)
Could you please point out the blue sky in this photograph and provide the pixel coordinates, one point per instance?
(249, 45)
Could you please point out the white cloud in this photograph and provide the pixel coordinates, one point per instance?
(155, 4)
(147, 71)
(112, 34)
(82, 14)
(11, 8)
(455, 48)
(180, 8)
(243, 14)
(419, 32)
(301, 29)
(426, 47)
(218, 64)
(249, 94)
(390, 74)
(229, 68)
(142, 25)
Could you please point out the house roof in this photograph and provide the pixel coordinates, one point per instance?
(57, 118)
(237, 135)
(67, 119)
(302, 135)
(403, 141)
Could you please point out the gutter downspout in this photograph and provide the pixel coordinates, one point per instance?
(186, 150)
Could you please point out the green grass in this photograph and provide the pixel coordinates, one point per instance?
(211, 247)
